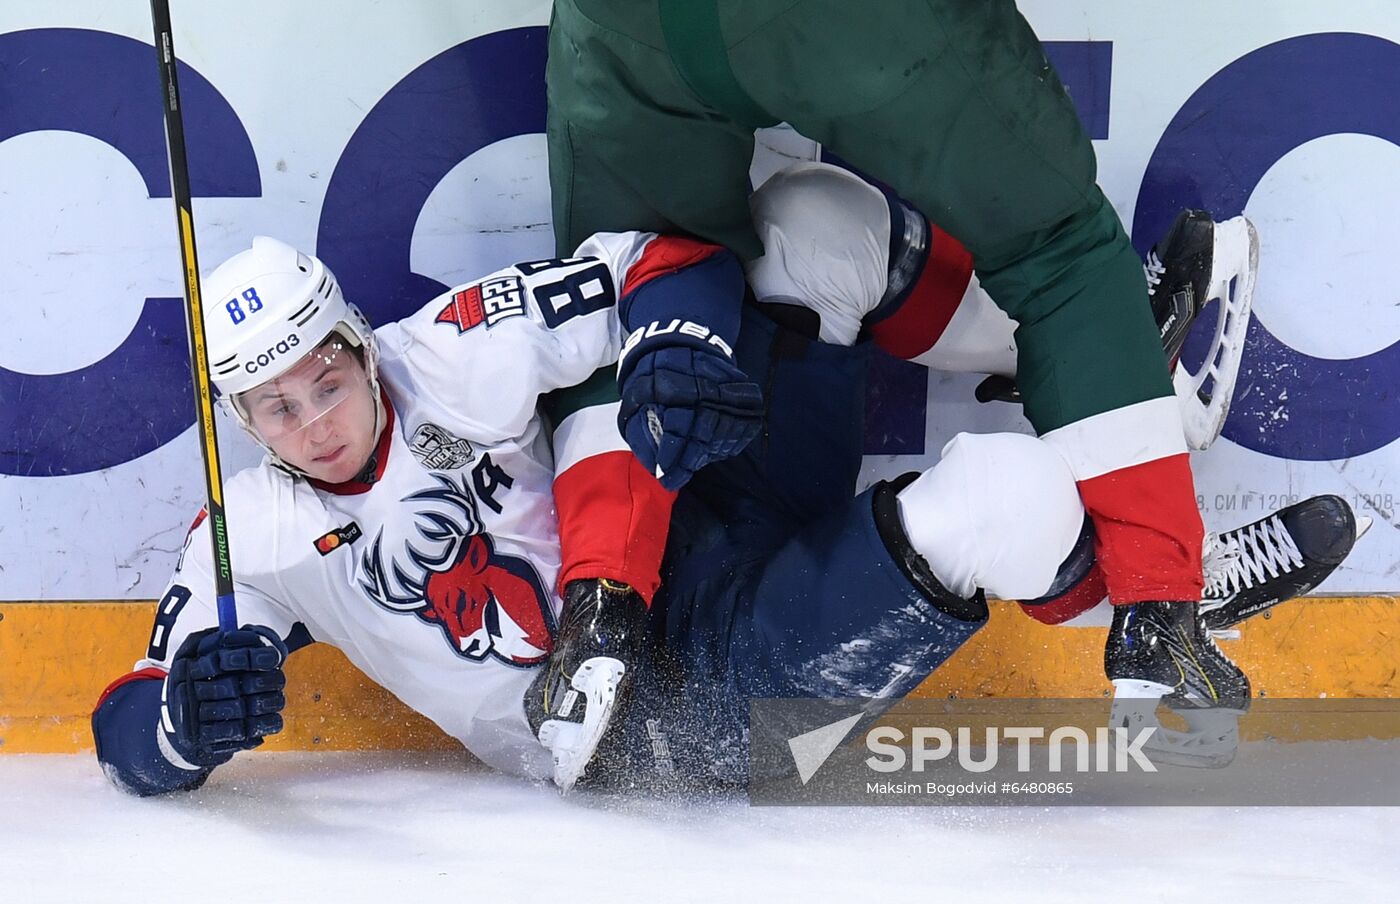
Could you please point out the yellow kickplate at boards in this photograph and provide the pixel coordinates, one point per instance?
(56, 658)
(1321, 646)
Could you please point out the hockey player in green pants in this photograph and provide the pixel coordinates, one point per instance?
(952, 103)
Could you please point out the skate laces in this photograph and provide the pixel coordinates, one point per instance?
(1239, 559)
(1218, 558)
(1153, 269)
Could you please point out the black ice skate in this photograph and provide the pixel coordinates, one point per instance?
(1253, 568)
(1160, 652)
(1178, 271)
(1166, 652)
(570, 704)
(1197, 260)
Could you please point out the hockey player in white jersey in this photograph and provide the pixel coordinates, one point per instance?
(415, 509)
(406, 514)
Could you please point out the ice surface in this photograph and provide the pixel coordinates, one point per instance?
(349, 828)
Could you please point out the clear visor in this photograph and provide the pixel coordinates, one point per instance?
(312, 388)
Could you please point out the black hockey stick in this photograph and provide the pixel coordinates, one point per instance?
(194, 315)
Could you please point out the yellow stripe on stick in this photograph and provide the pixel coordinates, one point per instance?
(204, 398)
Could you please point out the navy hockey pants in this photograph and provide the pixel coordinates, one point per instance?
(776, 581)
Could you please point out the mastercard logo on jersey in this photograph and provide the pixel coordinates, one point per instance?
(341, 536)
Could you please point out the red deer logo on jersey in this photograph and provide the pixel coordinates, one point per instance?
(485, 603)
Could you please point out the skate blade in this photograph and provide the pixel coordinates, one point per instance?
(572, 743)
(1234, 270)
(1211, 740)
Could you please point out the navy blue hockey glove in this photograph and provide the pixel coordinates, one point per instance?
(223, 693)
(684, 407)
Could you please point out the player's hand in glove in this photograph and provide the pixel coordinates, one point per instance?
(684, 407)
(223, 693)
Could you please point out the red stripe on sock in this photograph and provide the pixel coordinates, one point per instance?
(1149, 530)
(926, 312)
(1083, 596)
(613, 518)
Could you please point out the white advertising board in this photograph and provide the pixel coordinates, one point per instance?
(403, 143)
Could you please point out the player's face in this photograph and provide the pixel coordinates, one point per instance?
(319, 415)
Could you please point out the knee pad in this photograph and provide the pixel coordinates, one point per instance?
(999, 511)
(826, 246)
(867, 264)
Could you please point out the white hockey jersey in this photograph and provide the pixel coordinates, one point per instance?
(438, 578)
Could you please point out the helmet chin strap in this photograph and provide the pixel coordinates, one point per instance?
(273, 458)
(371, 365)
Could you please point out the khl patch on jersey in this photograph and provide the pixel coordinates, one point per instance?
(439, 450)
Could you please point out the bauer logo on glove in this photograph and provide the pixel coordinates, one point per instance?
(685, 405)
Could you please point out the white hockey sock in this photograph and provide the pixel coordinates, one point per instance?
(980, 339)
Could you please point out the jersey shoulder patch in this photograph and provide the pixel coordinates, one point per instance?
(488, 302)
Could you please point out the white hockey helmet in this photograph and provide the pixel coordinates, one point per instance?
(265, 310)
